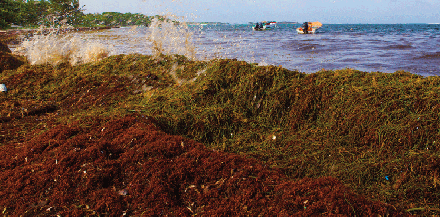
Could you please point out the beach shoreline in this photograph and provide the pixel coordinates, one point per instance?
(11, 36)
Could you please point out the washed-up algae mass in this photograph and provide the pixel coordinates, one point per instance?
(7, 59)
(145, 135)
(129, 166)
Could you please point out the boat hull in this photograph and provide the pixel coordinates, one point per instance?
(301, 31)
(262, 29)
(266, 26)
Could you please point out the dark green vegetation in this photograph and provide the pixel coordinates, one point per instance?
(33, 13)
(55, 13)
(377, 133)
(115, 19)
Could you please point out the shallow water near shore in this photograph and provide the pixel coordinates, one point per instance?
(366, 47)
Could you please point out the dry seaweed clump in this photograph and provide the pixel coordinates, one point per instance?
(128, 166)
(376, 134)
(7, 60)
(4, 48)
(39, 95)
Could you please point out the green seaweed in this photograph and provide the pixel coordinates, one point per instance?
(376, 132)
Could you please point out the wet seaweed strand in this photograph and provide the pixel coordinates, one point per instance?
(375, 132)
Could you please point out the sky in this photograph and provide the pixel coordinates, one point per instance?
(244, 11)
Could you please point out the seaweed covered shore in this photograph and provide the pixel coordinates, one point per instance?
(143, 135)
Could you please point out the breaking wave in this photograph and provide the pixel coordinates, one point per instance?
(55, 49)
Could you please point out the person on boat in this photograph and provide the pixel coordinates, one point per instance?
(306, 27)
(258, 26)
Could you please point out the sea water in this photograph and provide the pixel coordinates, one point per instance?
(367, 47)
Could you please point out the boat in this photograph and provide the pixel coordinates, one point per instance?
(265, 25)
(312, 27)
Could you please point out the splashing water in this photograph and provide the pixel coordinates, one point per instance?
(164, 36)
(169, 37)
(167, 34)
(55, 49)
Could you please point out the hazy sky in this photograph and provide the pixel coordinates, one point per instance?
(243, 11)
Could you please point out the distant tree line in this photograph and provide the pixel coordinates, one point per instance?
(56, 13)
(115, 19)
